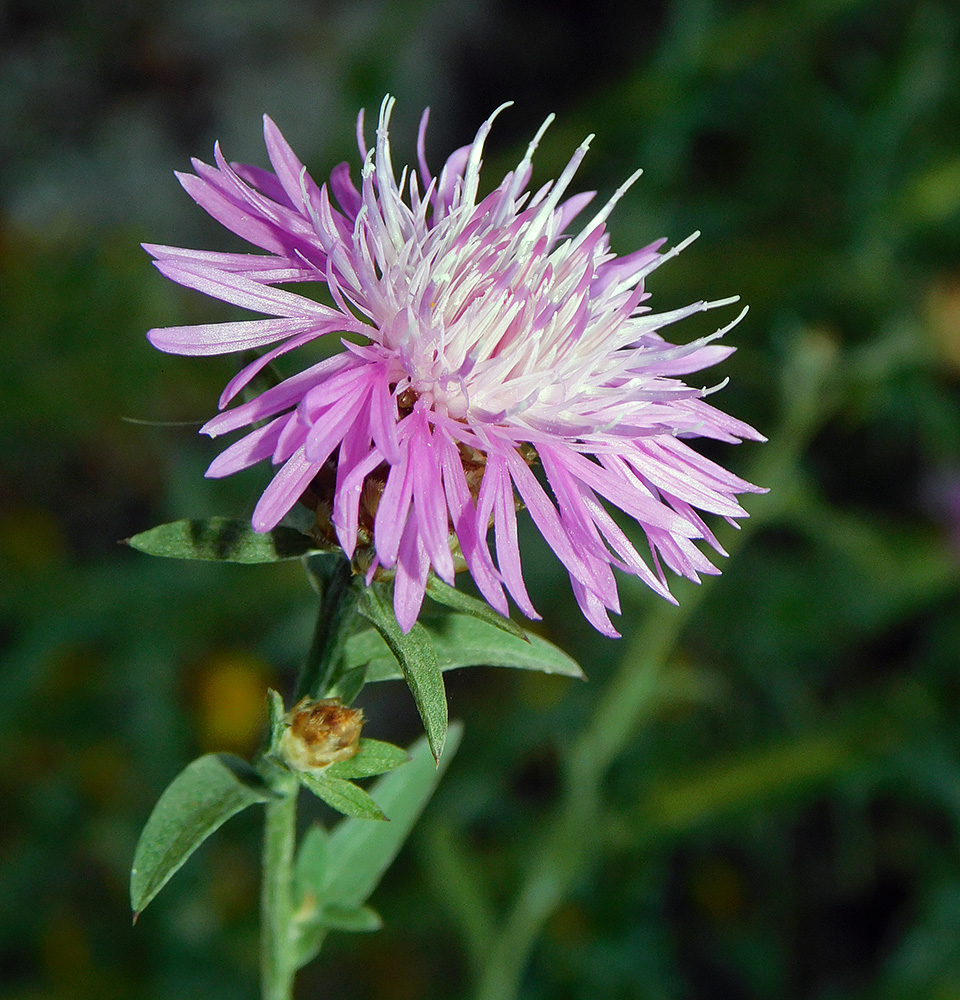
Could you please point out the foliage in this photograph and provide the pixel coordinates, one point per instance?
(784, 818)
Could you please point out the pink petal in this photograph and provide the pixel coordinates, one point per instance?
(430, 500)
(237, 218)
(383, 420)
(283, 492)
(346, 501)
(264, 268)
(348, 197)
(544, 515)
(463, 515)
(593, 609)
(265, 182)
(288, 393)
(294, 436)
(394, 507)
(505, 530)
(225, 338)
(241, 291)
(246, 375)
(327, 432)
(410, 582)
(290, 171)
(250, 449)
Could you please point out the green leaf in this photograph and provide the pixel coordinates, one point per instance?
(311, 924)
(443, 593)
(360, 853)
(199, 800)
(418, 661)
(335, 873)
(350, 682)
(308, 933)
(308, 875)
(345, 797)
(336, 621)
(462, 641)
(353, 919)
(374, 757)
(277, 715)
(311, 865)
(223, 539)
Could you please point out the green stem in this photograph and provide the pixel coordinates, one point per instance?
(277, 964)
(337, 606)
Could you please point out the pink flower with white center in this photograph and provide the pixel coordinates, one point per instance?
(492, 342)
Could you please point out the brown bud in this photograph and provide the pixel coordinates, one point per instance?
(319, 733)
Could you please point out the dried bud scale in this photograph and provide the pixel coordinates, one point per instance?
(319, 733)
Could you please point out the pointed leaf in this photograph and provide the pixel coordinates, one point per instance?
(345, 797)
(309, 872)
(277, 716)
(353, 919)
(443, 593)
(223, 539)
(311, 925)
(336, 621)
(417, 659)
(308, 937)
(341, 869)
(312, 857)
(360, 853)
(374, 757)
(307, 930)
(199, 800)
(462, 641)
(351, 681)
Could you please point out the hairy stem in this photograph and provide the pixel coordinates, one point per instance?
(277, 964)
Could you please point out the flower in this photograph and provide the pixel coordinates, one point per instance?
(486, 341)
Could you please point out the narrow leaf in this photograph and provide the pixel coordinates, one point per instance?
(360, 853)
(277, 715)
(443, 593)
(308, 934)
(311, 925)
(418, 661)
(374, 757)
(223, 539)
(312, 859)
(350, 682)
(197, 802)
(345, 797)
(309, 873)
(341, 869)
(353, 919)
(336, 621)
(462, 641)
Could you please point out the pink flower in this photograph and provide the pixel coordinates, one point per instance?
(492, 341)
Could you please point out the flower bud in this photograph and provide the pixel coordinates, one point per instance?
(319, 733)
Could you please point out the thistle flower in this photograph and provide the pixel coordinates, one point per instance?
(487, 341)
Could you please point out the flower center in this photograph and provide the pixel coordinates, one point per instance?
(421, 369)
(447, 394)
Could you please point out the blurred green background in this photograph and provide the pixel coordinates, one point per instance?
(787, 821)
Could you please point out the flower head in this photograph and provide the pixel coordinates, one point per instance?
(487, 341)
